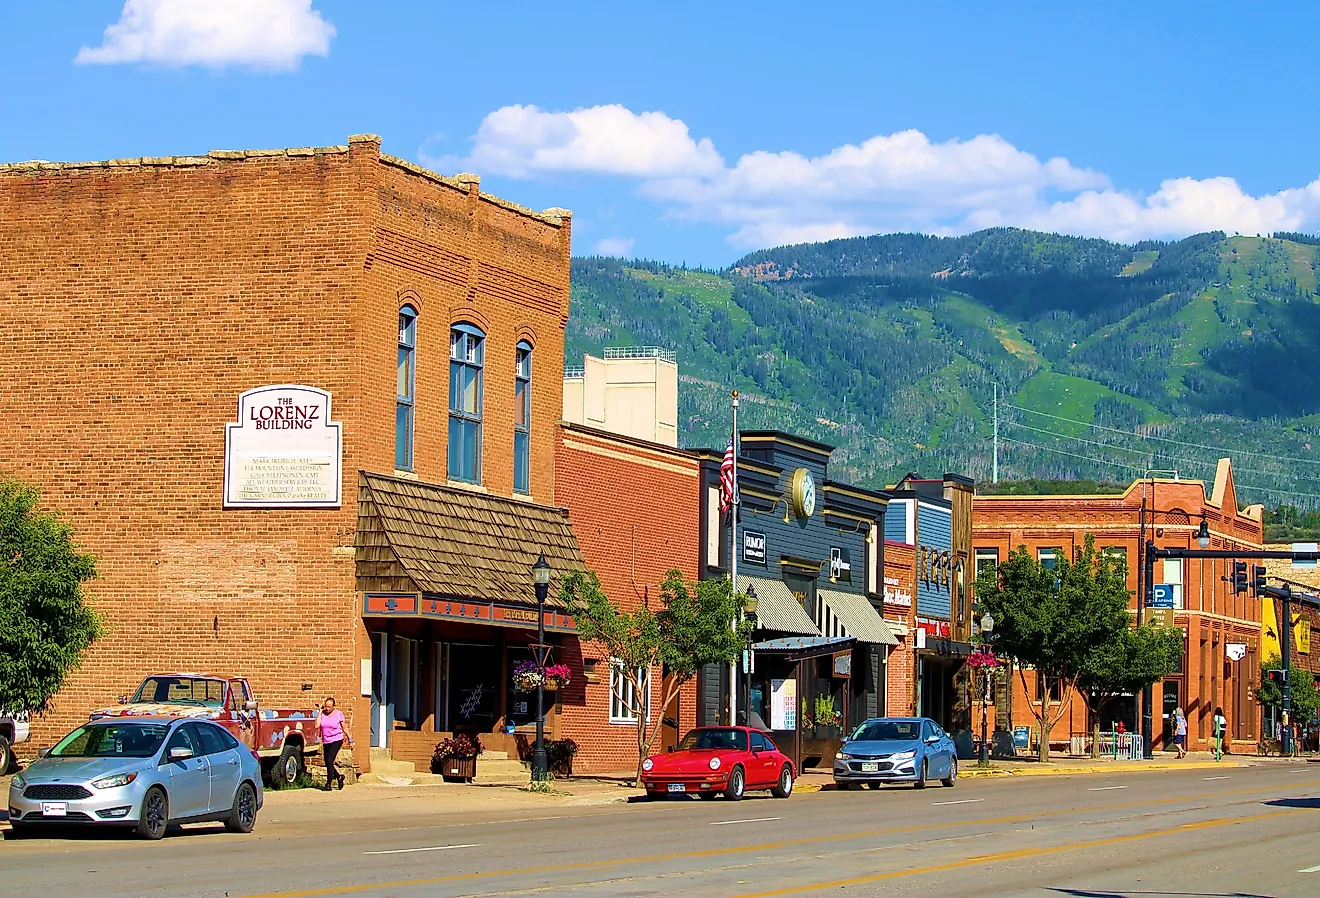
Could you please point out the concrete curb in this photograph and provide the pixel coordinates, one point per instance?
(1115, 767)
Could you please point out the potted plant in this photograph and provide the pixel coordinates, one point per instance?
(455, 758)
(527, 676)
(557, 676)
(827, 718)
(559, 754)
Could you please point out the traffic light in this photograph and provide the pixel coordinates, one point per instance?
(1258, 579)
(1277, 677)
(1239, 577)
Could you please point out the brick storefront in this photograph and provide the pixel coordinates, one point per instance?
(900, 612)
(634, 508)
(140, 297)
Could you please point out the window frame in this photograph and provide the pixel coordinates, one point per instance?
(522, 455)
(984, 554)
(405, 403)
(463, 332)
(625, 717)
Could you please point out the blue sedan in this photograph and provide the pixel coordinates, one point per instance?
(896, 750)
(142, 772)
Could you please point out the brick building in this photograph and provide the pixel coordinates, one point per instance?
(1205, 607)
(156, 314)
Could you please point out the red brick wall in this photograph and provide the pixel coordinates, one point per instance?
(900, 684)
(138, 300)
(634, 508)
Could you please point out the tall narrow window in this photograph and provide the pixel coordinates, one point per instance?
(467, 353)
(403, 407)
(522, 419)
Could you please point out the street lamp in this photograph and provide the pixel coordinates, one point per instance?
(1203, 535)
(749, 611)
(987, 628)
(541, 583)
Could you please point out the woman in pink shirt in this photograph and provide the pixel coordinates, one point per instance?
(330, 723)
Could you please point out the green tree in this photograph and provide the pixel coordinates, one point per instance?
(1054, 619)
(1305, 695)
(45, 622)
(696, 624)
(1139, 657)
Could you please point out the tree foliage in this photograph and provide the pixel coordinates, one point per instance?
(695, 624)
(1305, 695)
(45, 622)
(1056, 620)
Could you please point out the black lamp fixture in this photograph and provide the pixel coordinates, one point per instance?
(987, 629)
(1203, 534)
(541, 583)
(749, 612)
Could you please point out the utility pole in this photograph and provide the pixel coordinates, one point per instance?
(1285, 640)
(733, 560)
(994, 475)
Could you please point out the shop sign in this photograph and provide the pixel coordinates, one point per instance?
(783, 704)
(843, 664)
(753, 549)
(840, 566)
(937, 628)
(284, 451)
(1302, 630)
(895, 594)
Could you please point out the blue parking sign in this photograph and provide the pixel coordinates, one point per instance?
(1162, 596)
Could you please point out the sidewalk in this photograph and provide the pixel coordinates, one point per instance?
(1064, 765)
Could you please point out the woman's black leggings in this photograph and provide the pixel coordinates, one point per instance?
(331, 751)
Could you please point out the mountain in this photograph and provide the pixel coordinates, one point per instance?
(1109, 359)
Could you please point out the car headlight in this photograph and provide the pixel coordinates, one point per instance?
(715, 763)
(903, 756)
(18, 782)
(114, 782)
(648, 764)
(842, 756)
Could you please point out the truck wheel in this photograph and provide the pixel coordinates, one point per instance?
(6, 756)
(288, 768)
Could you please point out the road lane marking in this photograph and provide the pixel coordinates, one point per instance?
(1315, 869)
(358, 888)
(753, 820)
(963, 801)
(1105, 788)
(1208, 778)
(432, 848)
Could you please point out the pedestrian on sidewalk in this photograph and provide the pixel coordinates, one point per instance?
(1180, 732)
(330, 724)
(1220, 725)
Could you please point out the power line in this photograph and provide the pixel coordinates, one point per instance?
(1140, 436)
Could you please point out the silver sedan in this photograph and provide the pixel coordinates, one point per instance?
(142, 772)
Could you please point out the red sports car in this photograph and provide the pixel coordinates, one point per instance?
(726, 761)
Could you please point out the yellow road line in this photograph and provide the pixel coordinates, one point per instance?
(765, 846)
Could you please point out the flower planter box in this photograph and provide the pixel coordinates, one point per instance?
(458, 770)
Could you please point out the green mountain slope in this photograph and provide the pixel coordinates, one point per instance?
(1109, 359)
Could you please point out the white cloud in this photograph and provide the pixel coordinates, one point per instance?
(895, 182)
(614, 246)
(260, 34)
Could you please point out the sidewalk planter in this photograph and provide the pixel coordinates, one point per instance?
(459, 770)
(455, 758)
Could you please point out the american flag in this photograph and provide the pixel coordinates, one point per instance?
(726, 480)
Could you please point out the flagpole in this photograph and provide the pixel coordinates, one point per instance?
(733, 560)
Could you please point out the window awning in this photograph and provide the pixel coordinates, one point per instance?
(800, 648)
(776, 608)
(858, 617)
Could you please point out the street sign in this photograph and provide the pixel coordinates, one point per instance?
(1162, 596)
(1304, 547)
(1160, 617)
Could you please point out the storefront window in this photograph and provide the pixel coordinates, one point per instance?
(986, 560)
(467, 355)
(474, 687)
(403, 408)
(522, 418)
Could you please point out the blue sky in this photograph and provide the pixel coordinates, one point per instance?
(698, 131)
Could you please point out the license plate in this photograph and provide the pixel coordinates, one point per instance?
(54, 809)
(677, 787)
(870, 767)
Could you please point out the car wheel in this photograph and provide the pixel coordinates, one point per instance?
(921, 776)
(784, 787)
(953, 774)
(155, 814)
(873, 785)
(6, 756)
(244, 815)
(652, 795)
(737, 783)
(288, 768)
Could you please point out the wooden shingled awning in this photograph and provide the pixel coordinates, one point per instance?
(419, 544)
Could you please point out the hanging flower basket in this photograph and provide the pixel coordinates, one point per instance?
(983, 659)
(557, 676)
(527, 676)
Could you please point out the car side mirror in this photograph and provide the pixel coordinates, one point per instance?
(43, 753)
(179, 753)
(250, 705)
(123, 699)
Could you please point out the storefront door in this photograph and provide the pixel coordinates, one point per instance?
(474, 686)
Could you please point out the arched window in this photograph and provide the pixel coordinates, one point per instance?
(467, 355)
(522, 419)
(403, 407)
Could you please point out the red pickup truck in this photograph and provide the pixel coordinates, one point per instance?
(281, 738)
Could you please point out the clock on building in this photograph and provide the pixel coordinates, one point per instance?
(804, 493)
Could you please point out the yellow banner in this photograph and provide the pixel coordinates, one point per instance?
(1302, 634)
(1269, 631)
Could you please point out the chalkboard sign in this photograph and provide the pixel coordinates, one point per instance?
(1022, 737)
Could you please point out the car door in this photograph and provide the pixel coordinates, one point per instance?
(222, 755)
(190, 777)
(767, 758)
(945, 750)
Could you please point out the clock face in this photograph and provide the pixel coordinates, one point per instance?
(804, 493)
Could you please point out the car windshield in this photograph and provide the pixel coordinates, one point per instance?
(734, 740)
(112, 740)
(182, 691)
(888, 731)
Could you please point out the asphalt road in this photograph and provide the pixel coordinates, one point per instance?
(1230, 832)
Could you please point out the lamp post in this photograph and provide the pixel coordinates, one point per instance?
(1145, 593)
(987, 628)
(749, 612)
(541, 583)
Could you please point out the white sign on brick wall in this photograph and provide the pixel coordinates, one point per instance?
(284, 451)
